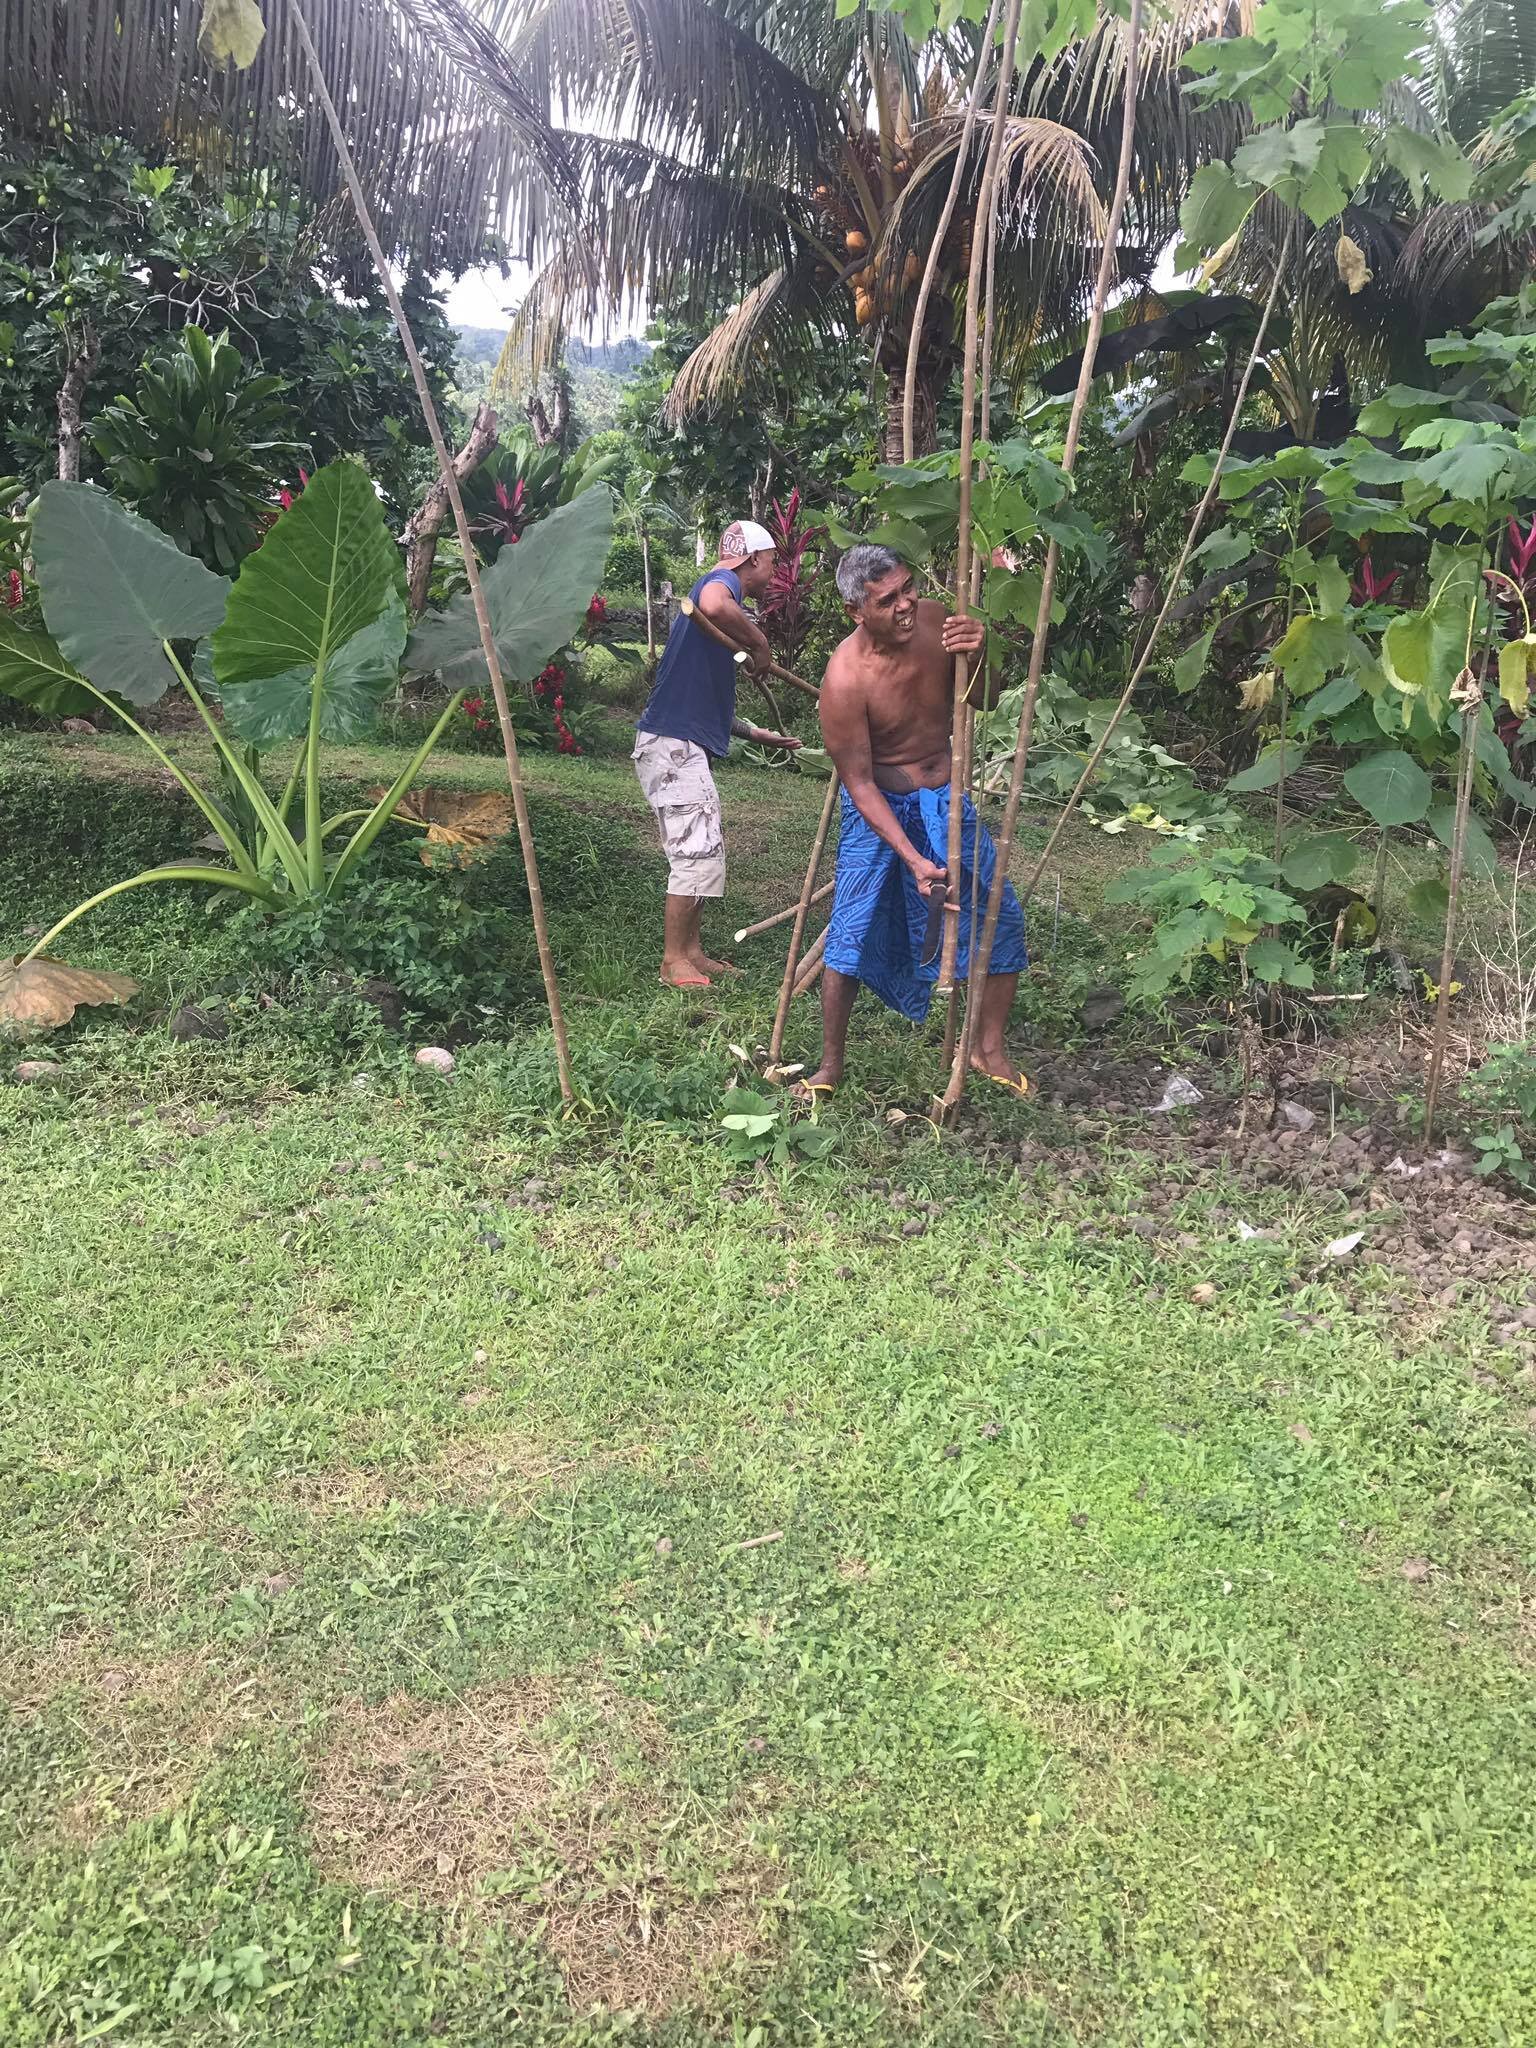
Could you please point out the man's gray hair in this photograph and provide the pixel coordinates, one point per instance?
(861, 566)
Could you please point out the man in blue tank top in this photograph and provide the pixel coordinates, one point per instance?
(687, 723)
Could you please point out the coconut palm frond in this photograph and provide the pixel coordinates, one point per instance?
(1484, 53)
(649, 219)
(1451, 272)
(670, 73)
(561, 295)
(757, 341)
(449, 142)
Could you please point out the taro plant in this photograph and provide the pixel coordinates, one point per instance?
(760, 1126)
(301, 651)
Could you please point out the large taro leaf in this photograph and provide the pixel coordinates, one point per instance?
(1390, 785)
(114, 588)
(41, 994)
(357, 678)
(326, 571)
(33, 671)
(537, 594)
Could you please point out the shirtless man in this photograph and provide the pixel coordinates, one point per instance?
(886, 707)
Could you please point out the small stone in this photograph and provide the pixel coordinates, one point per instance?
(191, 1023)
(436, 1059)
(37, 1071)
(1298, 1116)
(663, 1546)
(914, 1227)
(1416, 1569)
(1300, 1431)
(490, 1240)
(278, 1584)
(371, 1165)
(1203, 1294)
(1100, 1007)
(757, 1744)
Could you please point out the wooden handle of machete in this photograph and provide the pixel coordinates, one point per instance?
(702, 619)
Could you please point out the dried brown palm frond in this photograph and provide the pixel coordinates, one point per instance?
(450, 142)
(758, 342)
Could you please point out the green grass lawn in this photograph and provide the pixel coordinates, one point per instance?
(475, 1576)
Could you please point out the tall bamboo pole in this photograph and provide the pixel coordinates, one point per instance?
(1149, 645)
(969, 762)
(981, 958)
(466, 543)
(986, 200)
(931, 267)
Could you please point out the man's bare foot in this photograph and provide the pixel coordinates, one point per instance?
(997, 1066)
(682, 974)
(810, 1089)
(705, 965)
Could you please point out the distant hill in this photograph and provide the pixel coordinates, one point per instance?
(599, 371)
(619, 358)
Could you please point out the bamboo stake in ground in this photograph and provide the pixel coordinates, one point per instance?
(466, 542)
(767, 924)
(981, 958)
(981, 236)
(1468, 694)
(931, 267)
(802, 910)
(814, 961)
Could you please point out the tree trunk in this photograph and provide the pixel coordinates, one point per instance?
(925, 427)
(71, 403)
(430, 516)
(548, 426)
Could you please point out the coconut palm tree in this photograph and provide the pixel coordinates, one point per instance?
(791, 165)
(449, 141)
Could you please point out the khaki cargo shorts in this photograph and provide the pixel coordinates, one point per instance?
(674, 774)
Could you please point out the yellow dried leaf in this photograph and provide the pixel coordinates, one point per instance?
(231, 32)
(466, 820)
(1352, 266)
(1257, 693)
(39, 995)
(1218, 260)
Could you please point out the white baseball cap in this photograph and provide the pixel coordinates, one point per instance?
(745, 537)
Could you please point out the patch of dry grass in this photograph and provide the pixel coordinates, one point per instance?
(508, 1466)
(485, 1806)
(149, 1728)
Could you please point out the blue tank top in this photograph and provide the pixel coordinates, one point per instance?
(694, 695)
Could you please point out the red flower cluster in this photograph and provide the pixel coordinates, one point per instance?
(549, 688)
(285, 497)
(474, 710)
(13, 590)
(597, 614)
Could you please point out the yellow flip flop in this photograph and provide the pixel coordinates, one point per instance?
(1019, 1087)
